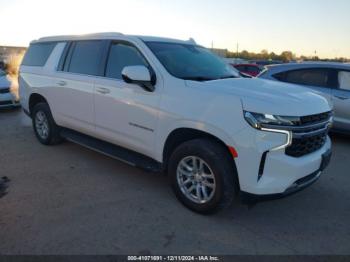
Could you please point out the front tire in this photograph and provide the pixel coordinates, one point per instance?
(203, 175)
(45, 128)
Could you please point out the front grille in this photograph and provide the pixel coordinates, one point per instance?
(310, 135)
(308, 145)
(4, 90)
(312, 119)
(3, 103)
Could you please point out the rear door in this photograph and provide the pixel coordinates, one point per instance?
(79, 67)
(341, 99)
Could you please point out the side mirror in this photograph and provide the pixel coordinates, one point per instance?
(139, 75)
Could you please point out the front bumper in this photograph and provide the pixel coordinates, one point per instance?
(297, 186)
(8, 100)
(280, 173)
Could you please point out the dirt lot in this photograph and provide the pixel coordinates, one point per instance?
(70, 200)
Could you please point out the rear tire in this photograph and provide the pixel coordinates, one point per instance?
(203, 175)
(45, 128)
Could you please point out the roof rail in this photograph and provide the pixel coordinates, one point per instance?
(76, 37)
(104, 34)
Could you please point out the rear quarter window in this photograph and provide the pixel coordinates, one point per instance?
(37, 54)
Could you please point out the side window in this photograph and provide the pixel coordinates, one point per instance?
(309, 77)
(86, 57)
(120, 56)
(344, 80)
(37, 54)
(280, 76)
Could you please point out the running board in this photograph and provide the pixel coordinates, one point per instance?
(113, 151)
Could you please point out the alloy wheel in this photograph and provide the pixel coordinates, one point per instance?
(196, 179)
(42, 125)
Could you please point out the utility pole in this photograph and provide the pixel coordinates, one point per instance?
(237, 50)
(212, 44)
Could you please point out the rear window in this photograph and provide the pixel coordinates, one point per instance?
(86, 57)
(240, 67)
(37, 54)
(253, 69)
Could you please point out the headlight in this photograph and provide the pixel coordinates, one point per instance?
(266, 122)
(258, 120)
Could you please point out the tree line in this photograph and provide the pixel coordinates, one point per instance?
(285, 56)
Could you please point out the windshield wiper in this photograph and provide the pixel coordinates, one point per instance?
(198, 78)
(226, 77)
(203, 78)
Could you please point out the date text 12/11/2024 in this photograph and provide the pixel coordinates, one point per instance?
(173, 258)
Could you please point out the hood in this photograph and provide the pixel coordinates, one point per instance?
(4, 82)
(269, 97)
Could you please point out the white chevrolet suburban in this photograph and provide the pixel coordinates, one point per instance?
(172, 106)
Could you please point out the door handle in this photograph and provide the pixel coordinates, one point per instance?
(103, 90)
(342, 97)
(62, 83)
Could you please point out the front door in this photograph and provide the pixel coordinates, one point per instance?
(126, 114)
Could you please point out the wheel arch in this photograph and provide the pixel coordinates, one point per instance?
(34, 99)
(183, 134)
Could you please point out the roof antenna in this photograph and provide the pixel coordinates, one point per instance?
(191, 40)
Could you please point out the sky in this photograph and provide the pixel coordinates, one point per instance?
(301, 26)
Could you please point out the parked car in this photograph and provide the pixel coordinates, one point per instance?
(267, 62)
(7, 97)
(331, 80)
(174, 107)
(249, 69)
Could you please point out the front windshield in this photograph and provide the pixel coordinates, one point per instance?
(191, 62)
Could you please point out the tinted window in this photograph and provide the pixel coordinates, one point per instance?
(120, 56)
(37, 54)
(86, 58)
(191, 62)
(309, 77)
(280, 76)
(240, 68)
(253, 69)
(344, 80)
